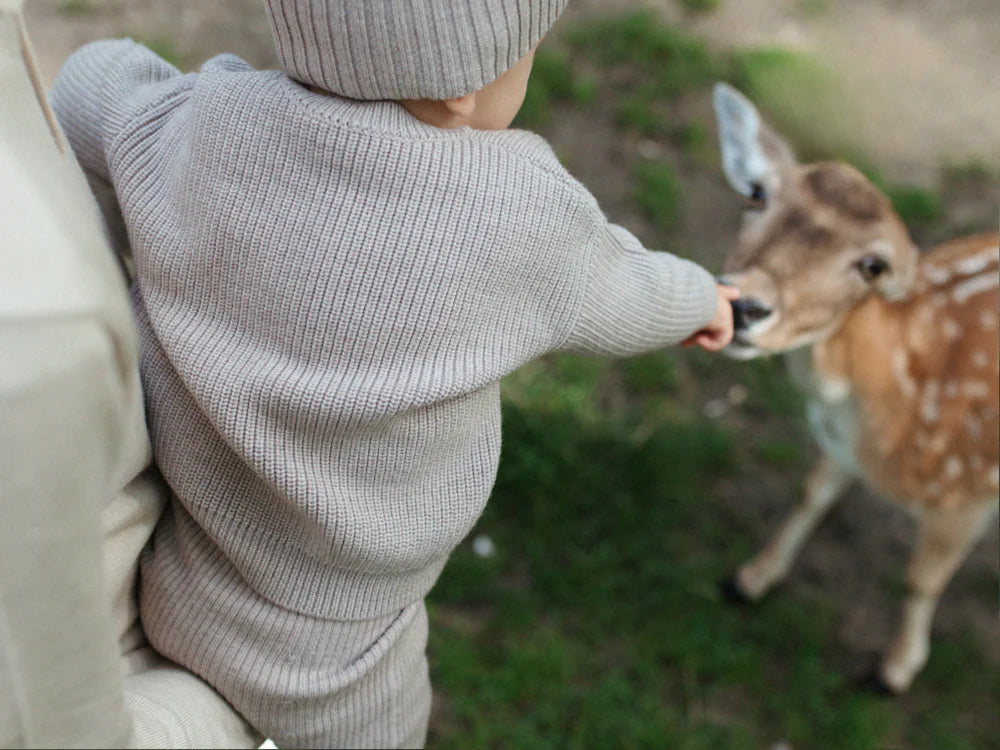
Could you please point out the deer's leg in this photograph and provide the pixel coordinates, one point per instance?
(944, 541)
(823, 487)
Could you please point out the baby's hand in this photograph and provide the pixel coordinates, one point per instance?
(719, 332)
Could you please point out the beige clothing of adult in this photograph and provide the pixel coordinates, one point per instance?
(76, 499)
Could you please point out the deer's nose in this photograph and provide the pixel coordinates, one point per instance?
(747, 311)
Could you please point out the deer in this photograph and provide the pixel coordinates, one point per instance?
(895, 350)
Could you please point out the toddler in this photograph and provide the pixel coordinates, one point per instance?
(336, 264)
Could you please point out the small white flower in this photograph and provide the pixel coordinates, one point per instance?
(483, 546)
(737, 394)
(716, 408)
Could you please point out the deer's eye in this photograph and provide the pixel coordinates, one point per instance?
(871, 267)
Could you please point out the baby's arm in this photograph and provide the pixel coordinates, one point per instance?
(96, 88)
(99, 89)
(638, 300)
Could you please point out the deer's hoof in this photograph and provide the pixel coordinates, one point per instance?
(731, 593)
(872, 682)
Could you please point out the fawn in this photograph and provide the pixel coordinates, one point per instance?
(896, 351)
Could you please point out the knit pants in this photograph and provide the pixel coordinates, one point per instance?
(302, 681)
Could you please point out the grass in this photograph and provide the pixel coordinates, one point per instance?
(553, 79)
(75, 7)
(657, 193)
(664, 61)
(917, 206)
(166, 49)
(814, 8)
(598, 623)
(701, 6)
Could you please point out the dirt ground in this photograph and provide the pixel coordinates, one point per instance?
(920, 83)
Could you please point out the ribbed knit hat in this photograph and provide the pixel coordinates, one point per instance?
(406, 49)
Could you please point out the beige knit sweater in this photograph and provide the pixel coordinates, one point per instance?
(329, 293)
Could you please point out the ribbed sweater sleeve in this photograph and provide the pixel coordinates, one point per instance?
(97, 88)
(637, 300)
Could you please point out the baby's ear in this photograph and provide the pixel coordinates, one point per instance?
(462, 106)
(752, 153)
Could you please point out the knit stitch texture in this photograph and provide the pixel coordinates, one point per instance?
(405, 49)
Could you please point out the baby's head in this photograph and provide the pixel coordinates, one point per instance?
(449, 62)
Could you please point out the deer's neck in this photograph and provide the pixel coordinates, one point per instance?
(831, 408)
(853, 391)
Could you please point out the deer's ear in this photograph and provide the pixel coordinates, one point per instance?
(753, 155)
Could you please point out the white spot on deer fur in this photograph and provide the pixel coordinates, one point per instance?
(988, 320)
(953, 468)
(833, 390)
(901, 369)
(980, 358)
(950, 329)
(975, 389)
(979, 261)
(939, 443)
(973, 286)
(974, 426)
(936, 275)
(929, 404)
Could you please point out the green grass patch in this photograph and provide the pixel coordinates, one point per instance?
(814, 8)
(598, 622)
(661, 61)
(770, 387)
(692, 138)
(640, 113)
(970, 170)
(701, 6)
(553, 79)
(780, 452)
(652, 374)
(955, 701)
(916, 206)
(657, 192)
(76, 7)
(166, 49)
(559, 384)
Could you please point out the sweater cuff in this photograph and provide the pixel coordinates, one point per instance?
(638, 300)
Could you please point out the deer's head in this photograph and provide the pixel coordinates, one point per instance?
(815, 240)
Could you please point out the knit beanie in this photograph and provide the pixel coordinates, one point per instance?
(406, 49)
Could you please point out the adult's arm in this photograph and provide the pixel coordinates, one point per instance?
(76, 499)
